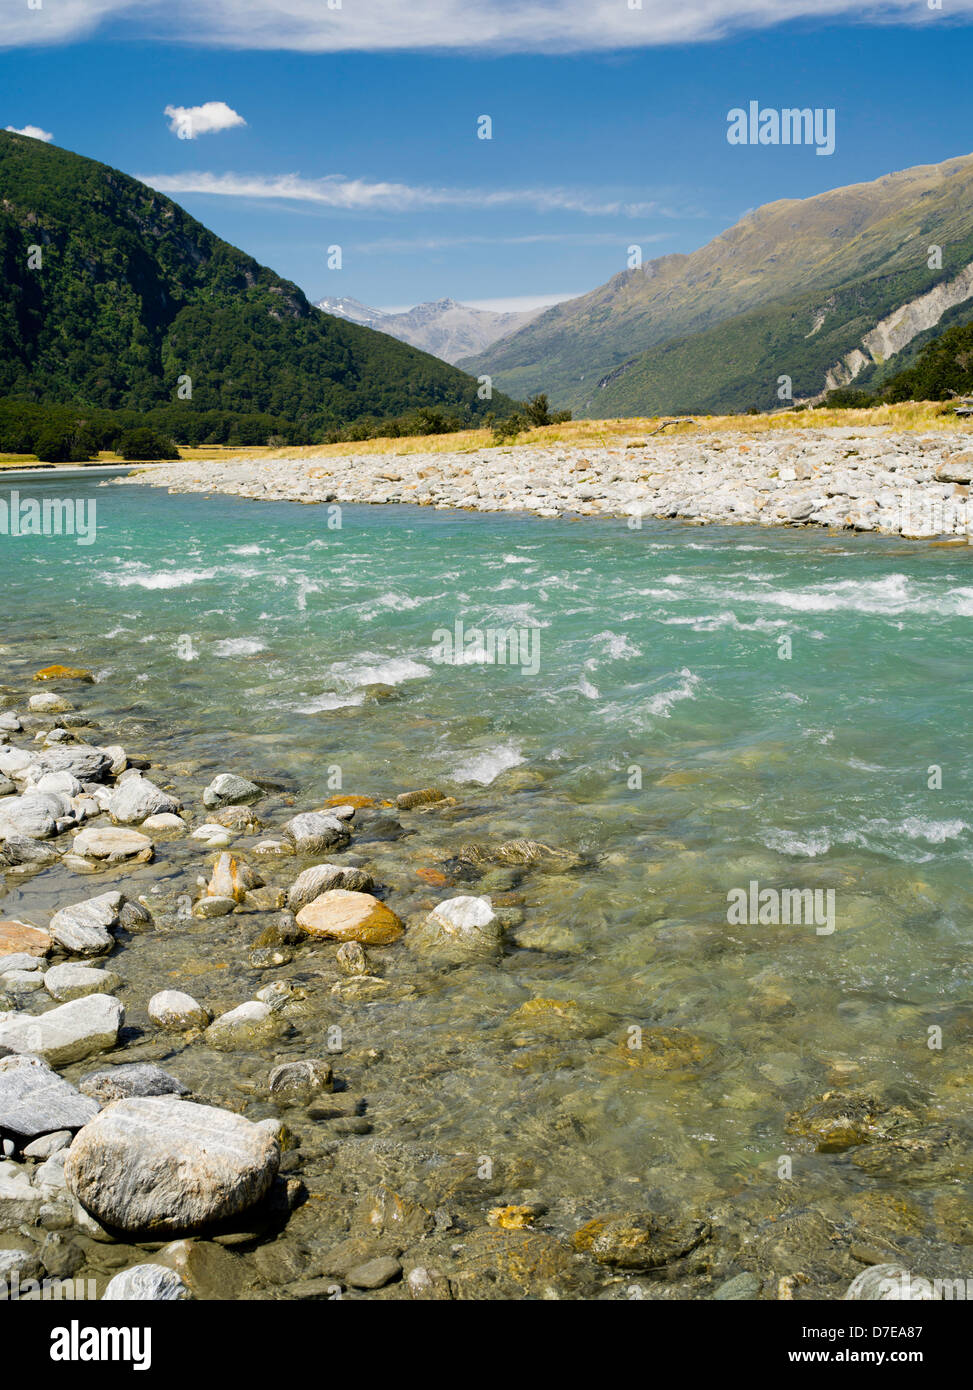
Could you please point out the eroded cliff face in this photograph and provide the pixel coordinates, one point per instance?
(891, 334)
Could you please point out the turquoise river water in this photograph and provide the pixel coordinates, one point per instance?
(711, 708)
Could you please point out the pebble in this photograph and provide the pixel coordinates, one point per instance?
(321, 878)
(130, 1079)
(460, 927)
(230, 790)
(177, 1012)
(313, 832)
(374, 1274)
(212, 836)
(253, 1025)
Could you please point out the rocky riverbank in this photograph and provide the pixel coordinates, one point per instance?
(156, 1145)
(865, 479)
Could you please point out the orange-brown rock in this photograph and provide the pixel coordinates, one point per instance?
(64, 673)
(433, 876)
(17, 937)
(346, 916)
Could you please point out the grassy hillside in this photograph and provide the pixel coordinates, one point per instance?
(132, 293)
(846, 258)
(736, 365)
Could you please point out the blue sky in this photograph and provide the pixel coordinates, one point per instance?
(603, 136)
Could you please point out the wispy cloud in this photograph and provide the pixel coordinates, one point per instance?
(492, 25)
(188, 122)
(34, 131)
(360, 195)
(446, 243)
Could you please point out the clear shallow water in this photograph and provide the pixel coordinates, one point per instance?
(659, 665)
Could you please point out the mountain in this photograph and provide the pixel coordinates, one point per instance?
(355, 312)
(443, 327)
(820, 290)
(125, 298)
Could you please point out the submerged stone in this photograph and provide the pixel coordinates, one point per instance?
(639, 1240)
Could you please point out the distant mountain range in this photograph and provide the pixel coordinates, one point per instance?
(843, 287)
(114, 297)
(443, 327)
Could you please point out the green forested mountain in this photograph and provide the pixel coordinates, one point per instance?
(128, 293)
(789, 290)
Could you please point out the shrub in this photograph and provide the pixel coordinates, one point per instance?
(537, 409)
(146, 444)
(509, 427)
(53, 447)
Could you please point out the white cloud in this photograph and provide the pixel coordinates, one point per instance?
(34, 131)
(385, 245)
(493, 25)
(358, 195)
(189, 121)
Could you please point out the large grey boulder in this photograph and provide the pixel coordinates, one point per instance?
(34, 1100)
(159, 1164)
(230, 790)
(321, 878)
(313, 832)
(68, 1033)
(136, 798)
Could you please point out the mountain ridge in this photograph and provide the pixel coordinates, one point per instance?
(445, 327)
(865, 243)
(126, 301)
